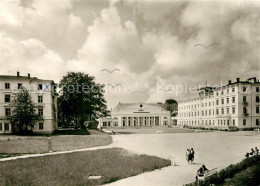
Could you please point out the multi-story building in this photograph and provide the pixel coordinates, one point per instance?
(137, 115)
(42, 93)
(235, 104)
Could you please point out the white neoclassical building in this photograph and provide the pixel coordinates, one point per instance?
(42, 95)
(235, 104)
(137, 115)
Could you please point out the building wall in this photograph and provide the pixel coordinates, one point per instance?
(31, 84)
(202, 111)
(127, 118)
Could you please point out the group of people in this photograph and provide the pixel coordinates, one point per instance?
(253, 152)
(190, 155)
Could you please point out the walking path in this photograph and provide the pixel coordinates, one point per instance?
(55, 153)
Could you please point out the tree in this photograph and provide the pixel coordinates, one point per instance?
(172, 106)
(23, 112)
(81, 99)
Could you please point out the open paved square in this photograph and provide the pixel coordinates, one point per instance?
(214, 149)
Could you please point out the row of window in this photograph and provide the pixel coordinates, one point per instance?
(218, 111)
(244, 89)
(8, 98)
(257, 99)
(6, 126)
(8, 111)
(19, 86)
(220, 122)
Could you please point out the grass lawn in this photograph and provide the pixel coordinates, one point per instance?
(74, 168)
(33, 144)
(249, 176)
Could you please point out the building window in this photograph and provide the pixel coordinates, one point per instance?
(257, 89)
(7, 85)
(257, 110)
(39, 86)
(222, 101)
(257, 122)
(124, 121)
(234, 122)
(244, 110)
(244, 98)
(7, 126)
(217, 111)
(227, 122)
(20, 85)
(222, 111)
(7, 98)
(7, 111)
(233, 99)
(40, 99)
(257, 99)
(222, 92)
(217, 102)
(244, 89)
(40, 126)
(209, 104)
(244, 122)
(40, 112)
(1, 126)
(233, 110)
(227, 110)
(227, 90)
(104, 124)
(227, 100)
(233, 89)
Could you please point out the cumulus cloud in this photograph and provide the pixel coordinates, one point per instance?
(152, 43)
(29, 56)
(50, 21)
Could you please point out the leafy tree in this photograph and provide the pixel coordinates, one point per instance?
(81, 99)
(23, 112)
(172, 106)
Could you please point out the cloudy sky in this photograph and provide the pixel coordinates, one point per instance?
(152, 43)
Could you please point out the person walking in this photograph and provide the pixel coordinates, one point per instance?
(188, 155)
(192, 152)
(256, 151)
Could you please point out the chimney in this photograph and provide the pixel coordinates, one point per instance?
(229, 82)
(254, 79)
(18, 74)
(29, 76)
(238, 80)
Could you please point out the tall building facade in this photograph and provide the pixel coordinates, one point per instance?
(43, 96)
(137, 115)
(235, 104)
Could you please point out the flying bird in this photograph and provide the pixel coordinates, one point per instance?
(168, 90)
(114, 85)
(133, 91)
(206, 46)
(110, 71)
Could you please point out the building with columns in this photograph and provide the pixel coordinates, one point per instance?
(42, 94)
(234, 104)
(137, 115)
